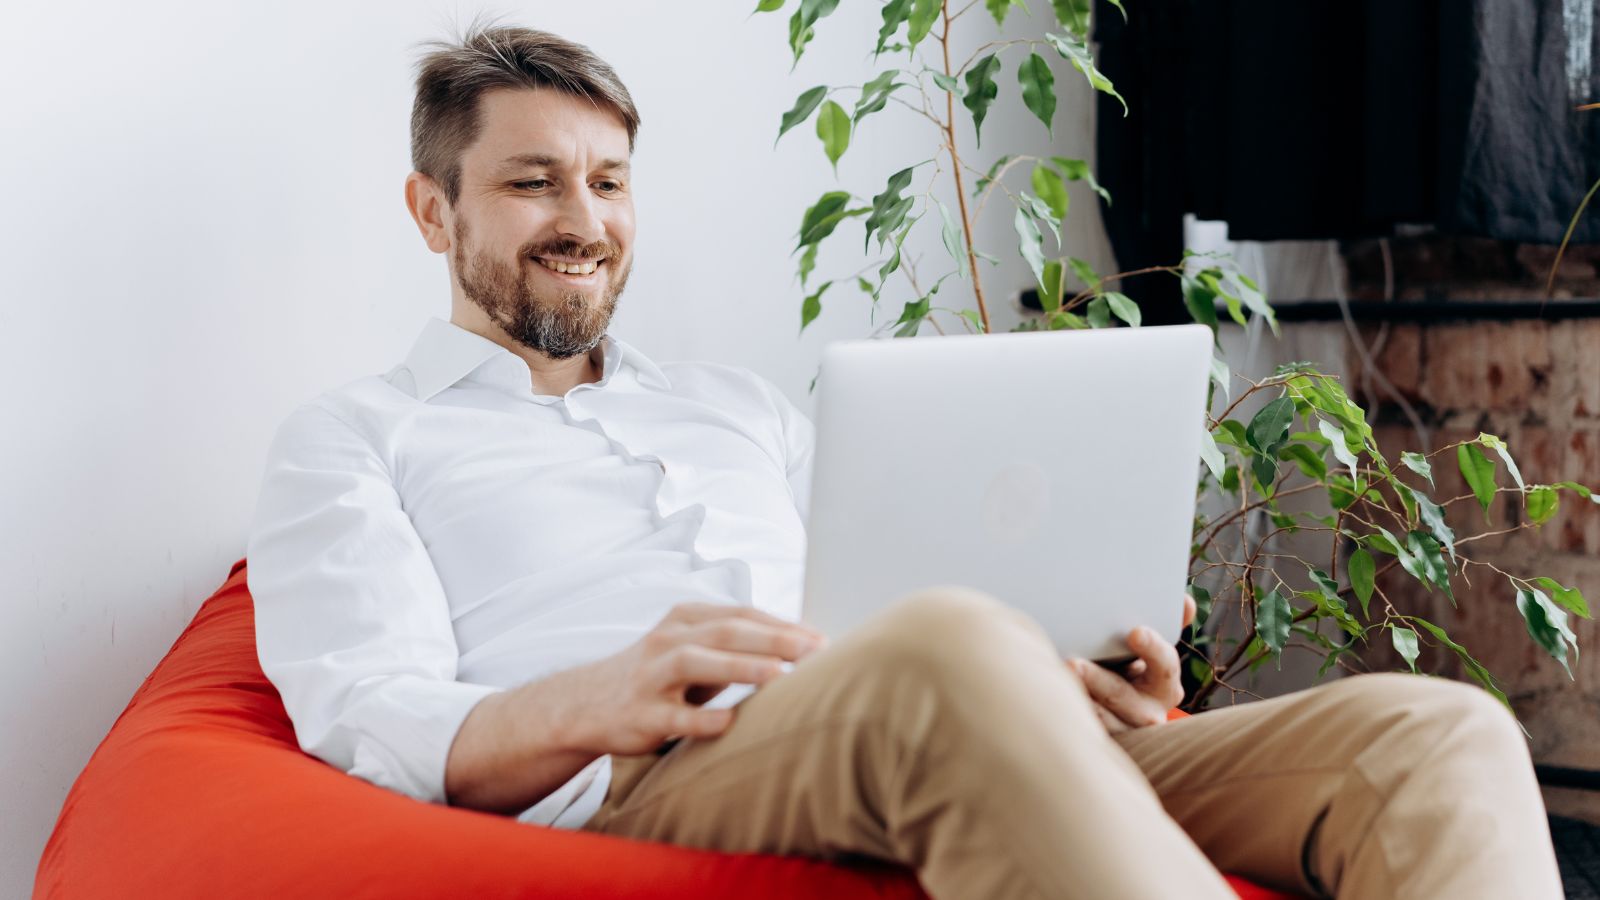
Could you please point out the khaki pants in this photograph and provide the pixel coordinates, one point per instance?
(946, 735)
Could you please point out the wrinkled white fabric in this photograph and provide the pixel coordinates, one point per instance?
(438, 533)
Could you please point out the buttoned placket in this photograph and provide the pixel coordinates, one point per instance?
(575, 412)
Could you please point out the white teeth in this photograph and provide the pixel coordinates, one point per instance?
(569, 268)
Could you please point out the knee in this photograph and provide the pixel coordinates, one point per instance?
(948, 634)
(1433, 710)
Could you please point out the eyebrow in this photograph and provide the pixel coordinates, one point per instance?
(541, 160)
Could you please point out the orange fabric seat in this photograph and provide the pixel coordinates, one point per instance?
(200, 791)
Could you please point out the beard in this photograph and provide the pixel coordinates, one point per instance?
(560, 324)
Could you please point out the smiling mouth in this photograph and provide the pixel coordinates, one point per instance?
(587, 267)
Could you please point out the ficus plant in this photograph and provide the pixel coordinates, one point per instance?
(1306, 438)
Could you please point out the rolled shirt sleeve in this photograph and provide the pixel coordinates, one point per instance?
(352, 623)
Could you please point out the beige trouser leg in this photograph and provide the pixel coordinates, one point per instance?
(947, 735)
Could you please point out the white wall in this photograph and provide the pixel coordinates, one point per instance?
(202, 227)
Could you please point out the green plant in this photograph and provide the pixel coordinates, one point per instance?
(1307, 438)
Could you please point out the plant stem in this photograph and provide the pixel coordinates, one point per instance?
(955, 165)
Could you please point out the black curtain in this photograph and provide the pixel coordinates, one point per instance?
(1317, 119)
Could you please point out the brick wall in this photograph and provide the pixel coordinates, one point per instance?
(1536, 383)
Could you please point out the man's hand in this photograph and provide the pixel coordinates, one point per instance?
(631, 702)
(1151, 686)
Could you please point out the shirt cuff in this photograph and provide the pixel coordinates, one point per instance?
(407, 751)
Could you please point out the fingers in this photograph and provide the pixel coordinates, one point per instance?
(690, 721)
(741, 635)
(1113, 724)
(691, 664)
(694, 613)
(1160, 677)
(1189, 610)
(1112, 691)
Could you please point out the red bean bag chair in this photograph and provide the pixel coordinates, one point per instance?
(200, 791)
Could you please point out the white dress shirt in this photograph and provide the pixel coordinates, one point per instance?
(430, 536)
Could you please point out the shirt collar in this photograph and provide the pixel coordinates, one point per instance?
(445, 353)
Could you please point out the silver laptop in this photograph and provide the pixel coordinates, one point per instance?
(1054, 470)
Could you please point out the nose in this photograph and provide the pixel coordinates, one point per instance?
(578, 217)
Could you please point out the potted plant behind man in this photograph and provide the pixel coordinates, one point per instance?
(1307, 437)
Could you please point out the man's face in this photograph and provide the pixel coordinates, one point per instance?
(545, 187)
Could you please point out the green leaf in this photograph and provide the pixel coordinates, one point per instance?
(804, 106)
(1041, 211)
(1542, 503)
(1051, 189)
(808, 261)
(1078, 170)
(972, 316)
(1362, 571)
(989, 175)
(1580, 490)
(1341, 446)
(947, 83)
(769, 5)
(1038, 90)
(1030, 244)
(875, 95)
(1570, 599)
(1547, 625)
(1270, 426)
(911, 317)
(1405, 643)
(923, 14)
(1075, 49)
(1494, 443)
(1211, 454)
(800, 30)
(1231, 432)
(1418, 463)
(1330, 604)
(1201, 302)
(1273, 618)
(998, 9)
(1221, 374)
(981, 92)
(1073, 15)
(1473, 667)
(821, 218)
(812, 306)
(1432, 515)
(1202, 607)
(951, 234)
(1428, 561)
(833, 127)
(1308, 460)
(1098, 313)
(1085, 273)
(1479, 474)
(1123, 308)
(893, 262)
(888, 208)
(895, 13)
(1050, 286)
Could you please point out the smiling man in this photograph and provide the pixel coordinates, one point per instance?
(508, 574)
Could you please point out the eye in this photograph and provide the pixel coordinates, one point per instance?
(534, 184)
(608, 186)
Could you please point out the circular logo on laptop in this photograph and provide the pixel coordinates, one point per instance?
(1015, 502)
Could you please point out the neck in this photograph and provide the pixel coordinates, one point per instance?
(547, 376)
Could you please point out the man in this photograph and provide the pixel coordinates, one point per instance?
(508, 574)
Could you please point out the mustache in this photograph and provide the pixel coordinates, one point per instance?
(571, 249)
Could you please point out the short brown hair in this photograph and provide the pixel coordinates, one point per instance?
(454, 75)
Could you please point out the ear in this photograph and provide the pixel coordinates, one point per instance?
(430, 210)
